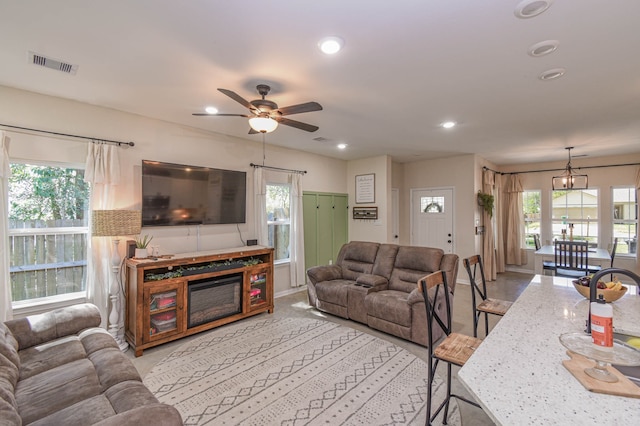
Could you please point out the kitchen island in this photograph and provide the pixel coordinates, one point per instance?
(517, 374)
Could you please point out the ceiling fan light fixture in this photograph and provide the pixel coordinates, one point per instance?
(331, 45)
(263, 124)
(211, 110)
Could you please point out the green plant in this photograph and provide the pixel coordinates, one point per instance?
(486, 201)
(143, 242)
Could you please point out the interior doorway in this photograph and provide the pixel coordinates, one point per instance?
(432, 218)
(395, 213)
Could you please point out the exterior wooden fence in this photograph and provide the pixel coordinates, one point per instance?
(48, 258)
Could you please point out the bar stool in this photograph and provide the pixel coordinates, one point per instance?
(487, 306)
(454, 349)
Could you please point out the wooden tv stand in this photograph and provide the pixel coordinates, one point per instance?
(157, 292)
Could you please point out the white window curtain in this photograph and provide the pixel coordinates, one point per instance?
(296, 233)
(102, 171)
(515, 223)
(500, 229)
(6, 313)
(489, 245)
(260, 206)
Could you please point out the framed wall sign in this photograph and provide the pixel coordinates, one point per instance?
(365, 188)
(365, 213)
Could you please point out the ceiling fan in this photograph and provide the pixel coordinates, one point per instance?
(265, 114)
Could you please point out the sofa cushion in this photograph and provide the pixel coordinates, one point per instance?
(8, 414)
(96, 408)
(390, 305)
(55, 389)
(112, 367)
(37, 359)
(411, 264)
(333, 291)
(356, 258)
(9, 373)
(37, 329)
(385, 259)
(122, 397)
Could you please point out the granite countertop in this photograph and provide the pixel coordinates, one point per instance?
(517, 374)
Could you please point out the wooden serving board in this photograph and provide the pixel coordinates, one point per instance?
(623, 387)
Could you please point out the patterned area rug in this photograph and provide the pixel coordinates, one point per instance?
(294, 372)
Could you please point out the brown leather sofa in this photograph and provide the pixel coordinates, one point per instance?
(376, 284)
(60, 368)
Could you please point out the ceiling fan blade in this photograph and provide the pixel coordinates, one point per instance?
(300, 108)
(253, 132)
(233, 95)
(203, 114)
(296, 124)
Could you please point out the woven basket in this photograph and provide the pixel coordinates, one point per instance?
(114, 223)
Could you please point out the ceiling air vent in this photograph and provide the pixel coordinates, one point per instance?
(54, 64)
(321, 139)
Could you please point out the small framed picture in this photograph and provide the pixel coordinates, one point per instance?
(366, 188)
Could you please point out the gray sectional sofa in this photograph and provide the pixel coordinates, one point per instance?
(60, 368)
(377, 284)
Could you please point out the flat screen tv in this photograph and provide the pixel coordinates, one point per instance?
(175, 194)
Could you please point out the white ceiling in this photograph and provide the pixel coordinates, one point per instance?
(407, 65)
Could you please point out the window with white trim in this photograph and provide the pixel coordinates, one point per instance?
(575, 212)
(278, 219)
(48, 231)
(625, 219)
(531, 212)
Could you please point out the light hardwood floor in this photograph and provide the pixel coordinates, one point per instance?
(508, 286)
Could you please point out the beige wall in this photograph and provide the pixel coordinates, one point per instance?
(371, 230)
(162, 141)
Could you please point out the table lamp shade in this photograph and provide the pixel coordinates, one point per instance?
(113, 223)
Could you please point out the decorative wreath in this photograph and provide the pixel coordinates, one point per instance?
(433, 208)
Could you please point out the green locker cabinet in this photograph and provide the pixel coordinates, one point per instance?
(325, 226)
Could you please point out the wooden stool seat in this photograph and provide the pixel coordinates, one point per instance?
(494, 306)
(456, 348)
(485, 305)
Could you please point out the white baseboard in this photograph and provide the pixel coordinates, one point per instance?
(292, 290)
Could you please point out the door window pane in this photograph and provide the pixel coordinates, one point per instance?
(432, 204)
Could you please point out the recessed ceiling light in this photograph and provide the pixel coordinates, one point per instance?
(543, 48)
(552, 74)
(211, 110)
(331, 45)
(530, 8)
(342, 145)
(448, 124)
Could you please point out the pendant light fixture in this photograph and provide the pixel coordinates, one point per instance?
(568, 179)
(263, 124)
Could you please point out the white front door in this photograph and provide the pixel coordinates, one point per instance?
(432, 218)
